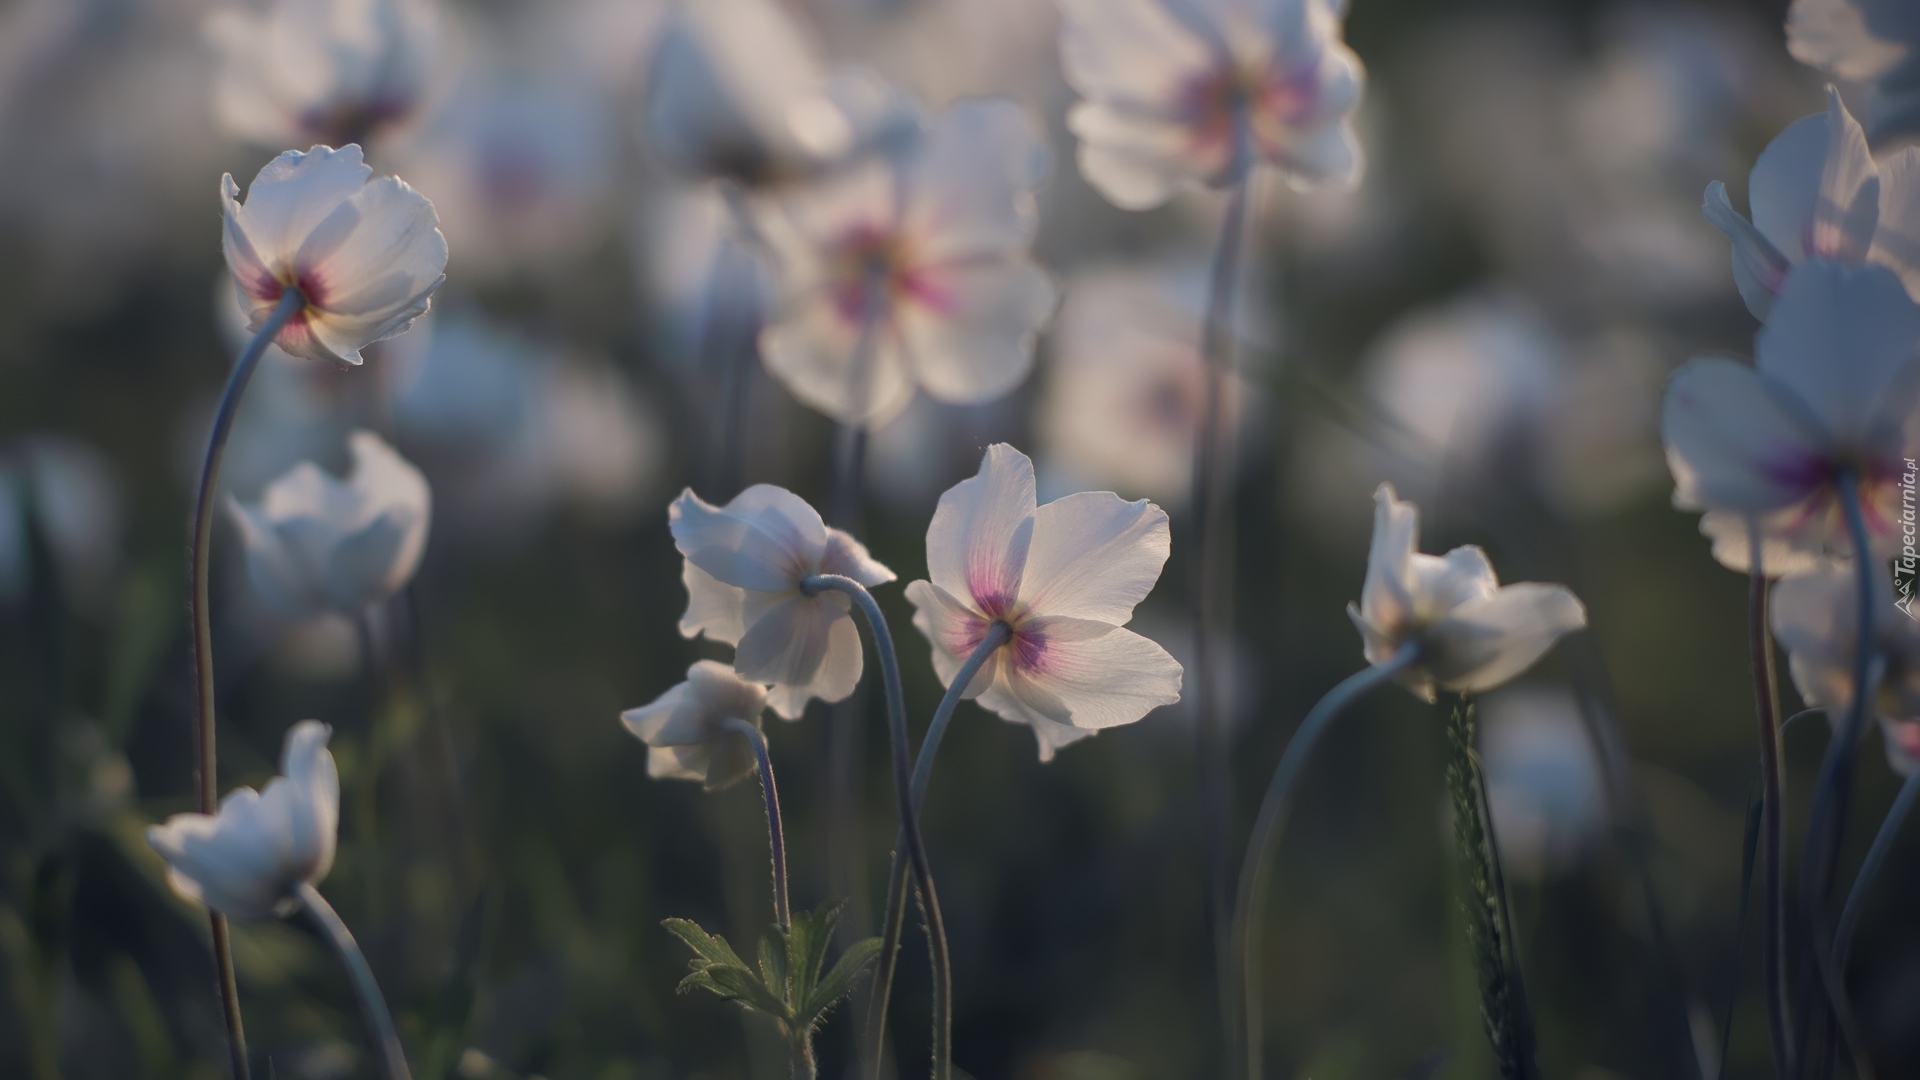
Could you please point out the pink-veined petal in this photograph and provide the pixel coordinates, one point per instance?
(977, 542)
(1736, 441)
(972, 339)
(1094, 555)
(293, 194)
(1089, 674)
(953, 629)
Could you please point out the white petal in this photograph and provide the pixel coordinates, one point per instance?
(953, 629)
(1787, 544)
(1094, 556)
(848, 557)
(713, 606)
(1736, 441)
(311, 784)
(225, 862)
(793, 644)
(283, 581)
(1135, 51)
(1849, 208)
(978, 539)
(1759, 270)
(1387, 598)
(1783, 190)
(1896, 243)
(292, 195)
(1816, 620)
(971, 339)
(969, 188)
(1329, 157)
(1136, 161)
(1051, 734)
(1844, 340)
(834, 680)
(1089, 674)
(765, 539)
(1486, 642)
(819, 356)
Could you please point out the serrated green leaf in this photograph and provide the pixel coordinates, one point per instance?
(773, 963)
(839, 982)
(712, 949)
(717, 968)
(812, 936)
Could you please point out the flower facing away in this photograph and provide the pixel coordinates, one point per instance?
(1817, 193)
(1064, 577)
(913, 270)
(247, 861)
(329, 71)
(317, 544)
(1816, 616)
(1870, 41)
(1473, 633)
(745, 563)
(1177, 92)
(366, 254)
(1834, 391)
(685, 728)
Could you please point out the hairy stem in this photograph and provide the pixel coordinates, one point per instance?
(1257, 864)
(776, 833)
(896, 908)
(373, 1006)
(903, 800)
(1773, 903)
(199, 551)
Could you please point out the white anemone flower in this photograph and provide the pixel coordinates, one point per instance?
(247, 861)
(1473, 633)
(1835, 389)
(1184, 92)
(367, 256)
(745, 563)
(685, 729)
(1817, 193)
(1865, 41)
(1816, 617)
(316, 544)
(912, 270)
(327, 71)
(1064, 578)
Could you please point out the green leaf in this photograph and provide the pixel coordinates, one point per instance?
(713, 950)
(718, 969)
(773, 963)
(812, 936)
(839, 982)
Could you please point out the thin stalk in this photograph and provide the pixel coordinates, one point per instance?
(1773, 904)
(804, 1066)
(1503, 1006)
(1870, 867)
(903, 800)
(373, 1007)
(1211, 518)
(737, 349)
(896, 909)
(199, 551)
(776, 834)
(1257, 864)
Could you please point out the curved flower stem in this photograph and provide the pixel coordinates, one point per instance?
(903, 800)
(372, 1005)
(205, 775)
(1773, 906)
(997, 635)
(1870, 866)
(1257, 864)
(1211, 520)
(776, 833)
(1826, 821)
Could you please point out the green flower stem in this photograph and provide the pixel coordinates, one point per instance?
(205, 774)
(1257, 865)
(776, 834)
(1773, 905)
(903, 799)
(997, 635)
(372, 1006)
(1503, 998)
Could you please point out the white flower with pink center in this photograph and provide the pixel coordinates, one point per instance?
(1817, 193)
(365, 254)
(1834, 390)
(1064, 578)
(1816, 617)
(746, 562)
(1201, 92)
(911, 270)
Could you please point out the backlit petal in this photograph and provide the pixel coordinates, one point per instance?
(977, 542)
(1094, 556)
(1487, 642)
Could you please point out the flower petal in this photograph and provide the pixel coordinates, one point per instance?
(953, 629)
(1759, 270)
(292, 195)
(1783, 190)
(1488, 641)
(1846, 341)
(818, 355)
(1896, 243)
(1094, 556)
(765, 539)
(1051, 734)
(848, 557)
(793, 644)
(972, 340)
(713, 606)
(1132, 51)
(977, 542)
(1136, 161)
(1089, 674)
(311, 785)
(1735, 440)
(1387, 598)
(970, 185)
(834, 680)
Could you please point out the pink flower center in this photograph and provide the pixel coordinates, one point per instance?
(872, 269)
(1269, 102)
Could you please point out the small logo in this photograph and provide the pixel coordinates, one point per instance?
(1906, 567)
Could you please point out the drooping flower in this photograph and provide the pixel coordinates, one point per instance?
(1870, 41)
(1835, 389)
(326, 71)
(1473, 633)
(1817, 193)
(685, 728)
(367, 256)
(317, 544)
(1064, 577)
(1177, 93)
(247, 861)
(745, 564)
(1816, 616)
(912, 270)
